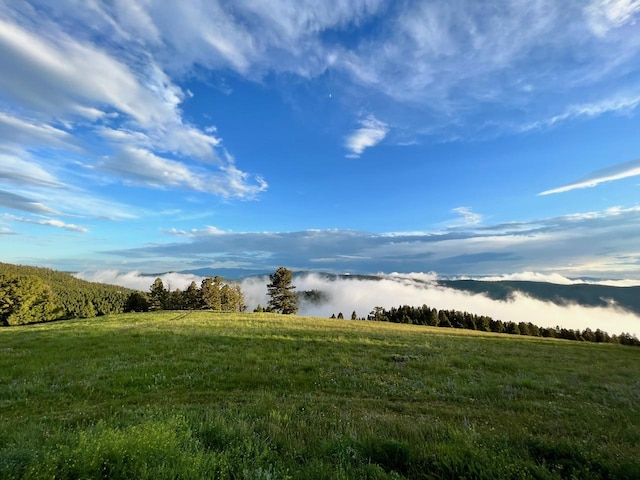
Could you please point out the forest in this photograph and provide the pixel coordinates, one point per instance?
(432, 317)
(35, 294)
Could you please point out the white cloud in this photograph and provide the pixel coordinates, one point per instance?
(617, 172)
(51, 222)
(362, 295)
(18, 131)
(19, 171)
(371, 132)
(195, 232)
(140, 166)
(468, 216)
(601, 244)
(605, 15)
(550, 278)
(346, 295)
(450, 60)
(123, 96)
(139, 281)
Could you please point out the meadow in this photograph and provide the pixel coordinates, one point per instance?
(187, 395)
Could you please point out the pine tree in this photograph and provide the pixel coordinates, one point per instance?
(283, 300)
(26, 299)
(192, 300)
(210, 293)
(158, 295)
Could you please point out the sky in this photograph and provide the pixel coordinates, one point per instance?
(459, 137)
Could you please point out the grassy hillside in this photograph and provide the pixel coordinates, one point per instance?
(263, 396)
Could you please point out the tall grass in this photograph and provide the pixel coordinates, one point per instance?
(208, 395)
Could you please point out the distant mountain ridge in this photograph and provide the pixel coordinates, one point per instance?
(588, 295)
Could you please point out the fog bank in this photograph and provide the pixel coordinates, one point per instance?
(346, 294)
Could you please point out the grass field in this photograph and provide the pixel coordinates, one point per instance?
(174, 395)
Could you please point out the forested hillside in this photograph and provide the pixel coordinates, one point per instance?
(34, 294)
(591, 295)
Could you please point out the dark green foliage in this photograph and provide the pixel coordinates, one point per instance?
(60, 295)
(282, 300)
(192, 299)
(158, 295)
(454, 318)
(314, 297)
(26, 299)
(210, 293)
(137, 302)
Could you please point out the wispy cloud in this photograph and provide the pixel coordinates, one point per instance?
(371, 132)
(15, 201)
(195, 232)
(16, 170)
(555, 278)
(468, 216)
(451, 60)
(609, 14)
(50, 222)
(617, 172)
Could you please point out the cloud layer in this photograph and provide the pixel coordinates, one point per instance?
(347, 295)
(601, 244)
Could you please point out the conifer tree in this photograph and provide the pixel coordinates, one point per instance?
(283, 300)
(158, 295)
(210, 293)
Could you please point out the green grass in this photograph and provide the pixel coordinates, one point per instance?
(207, 395)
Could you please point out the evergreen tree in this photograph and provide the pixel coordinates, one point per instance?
(175, 300)
(137, 302)
(283, 300)
(26, 299)
(354, 315)
(158, 295)
(210, 293)
(239, 298)
(192, 300)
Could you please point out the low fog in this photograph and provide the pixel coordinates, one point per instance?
(362, 295)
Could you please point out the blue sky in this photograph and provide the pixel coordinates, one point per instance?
(363, 136)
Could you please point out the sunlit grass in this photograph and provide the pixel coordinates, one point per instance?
(210, 395)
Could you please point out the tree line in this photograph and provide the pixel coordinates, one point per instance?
(211, 294)
(35, 294)
(432, 317)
